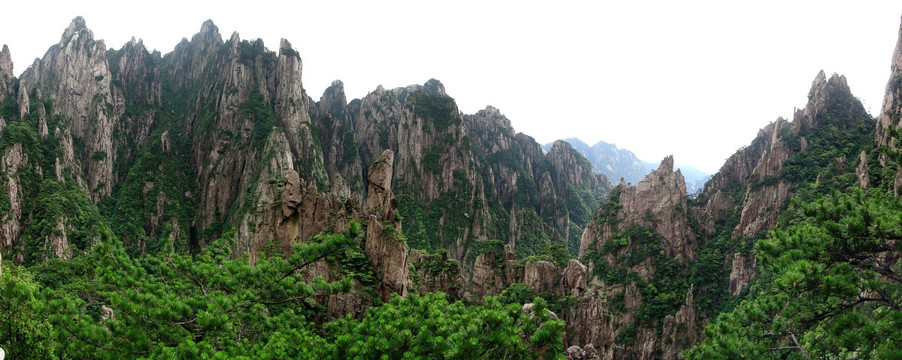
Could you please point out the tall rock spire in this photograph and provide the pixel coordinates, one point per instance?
(6, 64)
(6, 75)
(891, 113)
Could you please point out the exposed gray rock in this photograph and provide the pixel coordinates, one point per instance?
(540, 276)
(573, 279)
(11, 222)
(386, 253)
(681, 330)
(6, 64)
(661, 195)
(891, 113)
(106, 313)
(743, 269)
(437, 273)
(75, 72)
(380, 200)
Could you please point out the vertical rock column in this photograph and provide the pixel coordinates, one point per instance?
(386, 253)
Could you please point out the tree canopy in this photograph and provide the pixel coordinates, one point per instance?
(829, 286)
(106, 304)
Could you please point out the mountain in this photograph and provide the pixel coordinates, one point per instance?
(617, 163)
(607, 159)
(668, 261)
(202, 202)
(176, 149)
(695, 178)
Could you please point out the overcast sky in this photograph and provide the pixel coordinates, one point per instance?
(692, 79)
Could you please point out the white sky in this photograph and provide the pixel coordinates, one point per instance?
(688, 78)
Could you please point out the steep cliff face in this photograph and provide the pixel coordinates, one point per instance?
(891, 113)
(7, 85)
(75, 73)
(383, 245)
(640, 246)
(336, 134)
(890, 118)
(463, 179)
(136, 80)
(658, 202)
(436, 272)
(123, 124)
(607, 159)
(703, 244)
(495, 270)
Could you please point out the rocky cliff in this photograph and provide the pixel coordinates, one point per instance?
(891, 112)
(701, 246)
(609, 160)
(173, 150)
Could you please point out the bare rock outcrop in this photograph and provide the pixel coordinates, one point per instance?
(658, 201)
(11, 221)
(681, 330)
(574, 278)
(488, 275)
(380, 200)
(336, 132)
(861, 172)
(591, 322)
(760, 208)
(6, 64)
(540, 276)
(386, 253)
(587, 352)
(891, 113)
(495, 271)
(743, 267)
(7, 77)
(76, 73)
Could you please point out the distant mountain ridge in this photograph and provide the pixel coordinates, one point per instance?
(607, 159)
(616, 163)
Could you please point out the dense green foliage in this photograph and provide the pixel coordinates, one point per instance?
(826, 162)
(831, 280)
(108, 304)
(430, 327)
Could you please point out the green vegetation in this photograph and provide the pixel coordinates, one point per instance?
(430, 326)
(437, 110)
(828, 281)
(556, 254)
(662, 293)
(263, 117)
(107, 304)
(423, 223)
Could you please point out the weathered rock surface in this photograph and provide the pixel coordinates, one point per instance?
(891, 113)
(742, 272)
(746, 196)
(75, 72)
(7, 78)
(861, 172)
(590, 323)
(680, 330)
(386, 253)
(661, 198)
(11, 221)
(336, 132)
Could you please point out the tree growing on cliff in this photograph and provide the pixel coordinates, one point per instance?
(831, 281)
